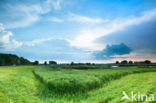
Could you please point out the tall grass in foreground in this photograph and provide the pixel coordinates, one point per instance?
(145, 83)
(80, 67)
(19, 85)
(78, 81)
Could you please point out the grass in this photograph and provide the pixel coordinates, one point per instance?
(80, 67)
(27, 84)
(17, 85)
(72, 81)
(144, 83)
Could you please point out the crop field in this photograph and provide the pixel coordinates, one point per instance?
(74, 84)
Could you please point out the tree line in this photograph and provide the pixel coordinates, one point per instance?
(134, 62)
(11, 59)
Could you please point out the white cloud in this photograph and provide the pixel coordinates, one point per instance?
(38, 41)
(57, 4)
(5, 42)
(78, 18)
(55, 19)
(87, 37)
(23, 15)
(85, 19)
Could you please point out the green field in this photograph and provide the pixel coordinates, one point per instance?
(79, 84)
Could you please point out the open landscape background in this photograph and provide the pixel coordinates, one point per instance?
(30, 82)
(77, 51)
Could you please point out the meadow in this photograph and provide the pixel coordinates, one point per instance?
(73, 84)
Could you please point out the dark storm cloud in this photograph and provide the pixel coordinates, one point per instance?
(112, 50)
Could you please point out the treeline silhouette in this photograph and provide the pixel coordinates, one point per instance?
(134, 62)
(10, 59)
(126, 63)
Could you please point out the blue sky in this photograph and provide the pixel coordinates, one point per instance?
(98, 31)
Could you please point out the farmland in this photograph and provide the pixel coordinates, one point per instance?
(73, 84)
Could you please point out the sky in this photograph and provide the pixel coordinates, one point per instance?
(99, 31)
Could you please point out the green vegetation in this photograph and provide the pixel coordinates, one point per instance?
(145, 83)
(55, 84)
(71, 81)
(79, 67)
(18, 85)
(10, 59)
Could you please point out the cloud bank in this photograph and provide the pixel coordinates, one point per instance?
(112, 50)
(25, 14)
(87, 37)
(5, 42)
(84, 19)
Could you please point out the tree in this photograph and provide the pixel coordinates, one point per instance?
(36, 62)
(2, 62)
(45, 63)
(72, 63)
(88, 63)
(10, 59)
(147, 61)
(124, 62)
(130, 62)
(52, 62)
(117, 62)
(24, 61)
